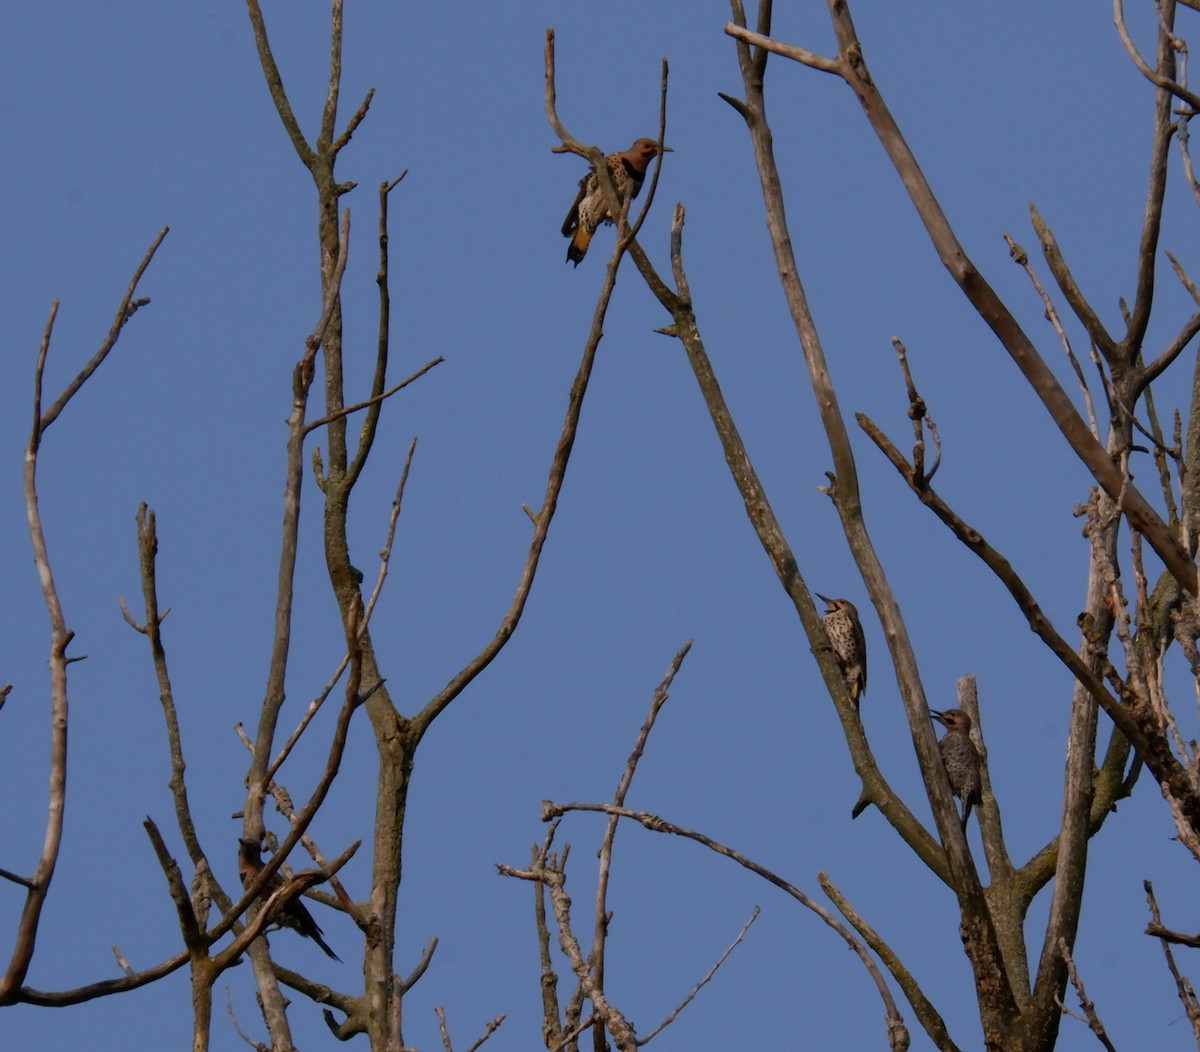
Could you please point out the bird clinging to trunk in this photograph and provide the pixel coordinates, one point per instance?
(844, 632)
(590, 208)
(290, 913)
(960, 759)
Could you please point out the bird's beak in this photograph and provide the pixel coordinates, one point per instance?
(939, 716)
(823, 598)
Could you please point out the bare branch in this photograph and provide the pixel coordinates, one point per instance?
(1021, 258)
(415, 975)
(606, 846)
(374, 405)
(558, 469)
(549, 871)
(488, 1031)
(927, 1015)
(60, 638)
(703, 982)
(852, 67)
(385, 553)
(1089, 1009)
(655, 824)
(126, 310)
(275, 86)
(797, 54)
(302, 379)
(355, 120)
(374, 399)
(1164, 766)
(441, 1014)
(918, 413)
(258, 1045)
(1154, 76)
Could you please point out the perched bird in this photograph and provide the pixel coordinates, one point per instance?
(291, 913)
(590, 207)
(960, 758)
(845, 634)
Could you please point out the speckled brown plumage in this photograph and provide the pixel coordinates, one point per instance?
(844, 632)
(960, 759)
(590, 207)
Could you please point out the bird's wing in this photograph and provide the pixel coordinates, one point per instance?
(572, 220)
(861, 640)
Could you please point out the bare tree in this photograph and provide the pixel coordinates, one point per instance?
(1117, 662)
(267, 898)
(1138, 587)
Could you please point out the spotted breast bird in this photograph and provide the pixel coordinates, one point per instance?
(960, 759)
(844, 632)
(590, 207)
(291, 913)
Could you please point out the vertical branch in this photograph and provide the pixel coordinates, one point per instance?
(302, 378)
(147, 538)
(558, 466)
(851, 66)
(60, 636)
(1156, 188)
(371, 420)
(329, 114)
(980, 939)
(275, 85)
(844, 489)
(606, 845)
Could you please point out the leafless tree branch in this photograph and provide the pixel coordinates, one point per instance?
(703, 982)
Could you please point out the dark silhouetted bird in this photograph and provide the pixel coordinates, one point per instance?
(590, 207)
(291, 913)
(845, 634)
(960, 758)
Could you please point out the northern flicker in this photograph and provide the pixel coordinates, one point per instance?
(960, 758)
(590, 207)
(291, 913)
(844, 632)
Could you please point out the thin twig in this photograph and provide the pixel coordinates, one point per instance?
(414, 976)
(374, 399)
(237, 1028)
(1021, 258)
(657, 701)
(918, 413)
(655, 824)
(126, 310)
(703, 982)
(385, 553)
(488, 1031)
(1089, 1009)
(1155, 78)
(441, 1014)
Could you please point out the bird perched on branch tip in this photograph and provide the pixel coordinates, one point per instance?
(960, 759)
(844, 631)
(290, 913)
(590, 207)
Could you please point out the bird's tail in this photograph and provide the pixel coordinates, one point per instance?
(325, 946)
(967, 811)
(578, 247)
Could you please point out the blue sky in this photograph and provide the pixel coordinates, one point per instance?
(124, 119)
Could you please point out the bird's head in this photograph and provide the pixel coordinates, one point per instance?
(643, 151)
(832, 605)
(953, 720)
(249, 849)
